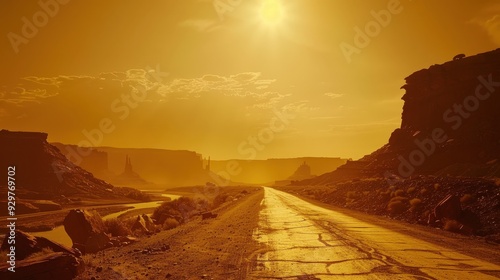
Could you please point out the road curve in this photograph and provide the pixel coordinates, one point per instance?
(305, 241)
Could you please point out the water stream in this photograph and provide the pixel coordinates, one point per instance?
(59, 235)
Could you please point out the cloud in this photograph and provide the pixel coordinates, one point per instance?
(334, 95)
(32, 96)
(490, 22)
(41, 80)
(299, 107)
(19, 95)
(246, 77)
(492, 26)
(246, 85)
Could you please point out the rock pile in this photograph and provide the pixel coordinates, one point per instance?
(144, 224)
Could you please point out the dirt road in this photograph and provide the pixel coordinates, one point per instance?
(306, 241)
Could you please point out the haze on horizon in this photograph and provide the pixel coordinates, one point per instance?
(231, 70)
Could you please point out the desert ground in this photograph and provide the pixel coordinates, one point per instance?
(272, 234)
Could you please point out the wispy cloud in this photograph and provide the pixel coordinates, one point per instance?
(334, 95)
(489, 21)
(247, 90)
(243, 85)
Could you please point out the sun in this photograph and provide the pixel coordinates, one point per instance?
(271, 12)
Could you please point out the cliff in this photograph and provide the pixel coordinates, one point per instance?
(449, 125)
(42, 171)
(150, 166)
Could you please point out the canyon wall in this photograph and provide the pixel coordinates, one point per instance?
(449, 127)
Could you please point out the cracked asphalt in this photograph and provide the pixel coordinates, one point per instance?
(306, 241)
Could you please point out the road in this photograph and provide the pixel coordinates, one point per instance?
(306, 241)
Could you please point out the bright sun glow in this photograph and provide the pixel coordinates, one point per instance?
(271, 12)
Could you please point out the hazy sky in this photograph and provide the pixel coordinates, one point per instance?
(297, 77)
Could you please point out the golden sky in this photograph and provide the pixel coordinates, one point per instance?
(227, 78)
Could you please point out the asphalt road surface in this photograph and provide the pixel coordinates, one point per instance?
(306, 241)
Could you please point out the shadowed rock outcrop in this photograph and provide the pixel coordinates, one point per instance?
(144, 224)
(86, 230)
(59, 266)
(450, 209)
(43, 173)
(27, 244)
(42, 169)
(62, 263)
(449, 126)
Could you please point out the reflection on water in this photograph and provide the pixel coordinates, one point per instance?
(171, 196)
(59, 235)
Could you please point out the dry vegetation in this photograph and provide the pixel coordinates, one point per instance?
(170, 214)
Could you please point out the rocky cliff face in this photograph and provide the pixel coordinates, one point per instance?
(157, 166)
(450, 125)
(42, 171)
(468, 87)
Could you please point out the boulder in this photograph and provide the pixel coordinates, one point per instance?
(140, 225)
(56, 265)
(97, 242)
(86, 230)
(27, 244)
(208, 215)
(149, 223)
(449, 208)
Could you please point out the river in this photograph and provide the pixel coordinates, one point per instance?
(59, 235)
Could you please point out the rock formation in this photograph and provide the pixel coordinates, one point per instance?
(59, 266)
(449, 125)
(89, 158)
(303, 172)
(44, 174)
(62, 263)
(271, 170)
(144, 224)
(27, 244)
(208, 215)
(128, 176)
(43, 170)
(459, 56)
(86, 230)
(450, 210)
